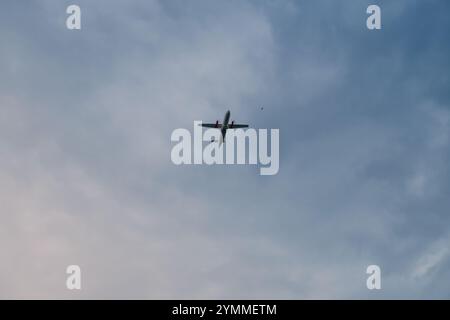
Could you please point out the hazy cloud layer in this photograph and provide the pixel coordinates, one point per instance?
(85, 170)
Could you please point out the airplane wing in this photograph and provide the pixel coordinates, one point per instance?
(212, 125)
(237, 126)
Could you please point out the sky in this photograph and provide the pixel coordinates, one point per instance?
(86, 177)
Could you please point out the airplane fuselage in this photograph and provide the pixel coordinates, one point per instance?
(225, 123)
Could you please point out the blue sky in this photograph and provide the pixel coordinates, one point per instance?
(85, 170)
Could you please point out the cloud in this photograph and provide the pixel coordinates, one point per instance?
(86, 176)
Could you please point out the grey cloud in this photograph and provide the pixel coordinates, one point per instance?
(85, 167)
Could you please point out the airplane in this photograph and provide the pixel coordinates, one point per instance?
(225, 126)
